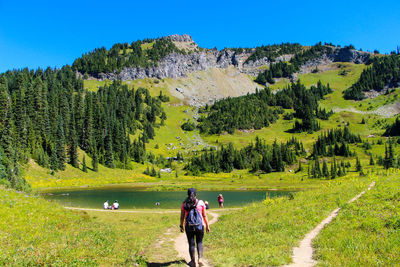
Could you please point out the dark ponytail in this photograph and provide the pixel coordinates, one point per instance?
(190, 201)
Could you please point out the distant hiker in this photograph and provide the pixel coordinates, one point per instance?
(115, 205)
(105, 205)
(207, 205)
(193, 212)
(220, 199)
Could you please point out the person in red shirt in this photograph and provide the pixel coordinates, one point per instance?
(220, 199)
(190, 203)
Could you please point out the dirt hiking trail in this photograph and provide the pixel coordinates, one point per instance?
(182, 247)
(303, 255)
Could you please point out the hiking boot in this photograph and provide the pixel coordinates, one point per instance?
(192, 264)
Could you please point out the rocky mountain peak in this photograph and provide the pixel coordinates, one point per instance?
(184, 38)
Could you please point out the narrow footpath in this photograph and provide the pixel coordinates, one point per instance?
(182, 247)
(303, 255)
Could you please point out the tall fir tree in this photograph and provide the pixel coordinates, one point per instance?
(333, 168)
(73, 144)
(60, 146)
(95, 159)
(108, 157)
(389, 161)
(84, 167)
(325, 170)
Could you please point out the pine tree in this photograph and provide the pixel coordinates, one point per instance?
(60, 147)
(371, 160)
(84, 167)
(325, 169)
(3, 171)
(389, 161)
(153, 172)
(147, 171)
(73, 145)
(317, 169)
(19, 111)
(358, 165)
(300, 168)
(95, 160)
(87, 127)
(109, 158)
(333, 168)
(5, 104)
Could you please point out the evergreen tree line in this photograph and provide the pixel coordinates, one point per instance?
(46, 115)
(335, 143)
(390, 161)
(273, 51)
(336, 169)
(251, 111)
(124, 55)
(384, 72)
(258, 110)
(256, 157)
(286, 69)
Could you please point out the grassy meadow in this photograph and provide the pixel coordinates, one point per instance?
(35, 232)
(366, 232)
(267, 232)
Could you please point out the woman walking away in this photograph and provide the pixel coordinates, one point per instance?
(193, 212)
(220, 200)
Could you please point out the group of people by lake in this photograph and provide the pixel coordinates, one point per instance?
(114, 206)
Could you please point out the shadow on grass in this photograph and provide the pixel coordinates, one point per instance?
(156, 264)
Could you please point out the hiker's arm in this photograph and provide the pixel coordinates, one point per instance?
(182, 218)
(206, 220)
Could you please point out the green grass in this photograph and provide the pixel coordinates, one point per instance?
(141, 237)
(152, 84)
(93, 85)
(35, 232)
(264, 234)
(172, 133)
(41, 178)
(366, 232)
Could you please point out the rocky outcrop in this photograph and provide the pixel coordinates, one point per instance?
(176, 65)
(349, 55)
(184, 38)
(337, 55)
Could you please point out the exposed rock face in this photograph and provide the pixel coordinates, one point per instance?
(180, 38)
(337, 55)
(349, 55)
(176, 65)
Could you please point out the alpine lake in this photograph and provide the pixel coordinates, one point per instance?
(134, 199)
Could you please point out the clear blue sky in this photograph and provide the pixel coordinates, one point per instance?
(53, 33)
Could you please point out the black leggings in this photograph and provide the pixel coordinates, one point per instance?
(190, 234)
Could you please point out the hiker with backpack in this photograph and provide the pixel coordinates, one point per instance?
(193, 213)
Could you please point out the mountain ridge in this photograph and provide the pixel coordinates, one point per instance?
(190, 57)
